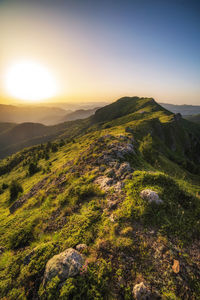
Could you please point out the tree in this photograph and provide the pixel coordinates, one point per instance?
(14, 189)
(33, 168)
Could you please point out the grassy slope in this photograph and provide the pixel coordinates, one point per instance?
(194, 118)
(143, 240)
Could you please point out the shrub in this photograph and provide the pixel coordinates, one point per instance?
(21, 237)
(4, 186)
(54, 147)
(33, 168)
(15, 189)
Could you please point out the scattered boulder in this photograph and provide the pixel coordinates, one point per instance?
(66, 264)
(104, 182)
(124, 169)
(110, 173)
(81, 247)
(119, 186)
(151, 196)
(141, 292)
(112, 219)
(111, 204)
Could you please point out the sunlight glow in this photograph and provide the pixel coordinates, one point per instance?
(30, 81)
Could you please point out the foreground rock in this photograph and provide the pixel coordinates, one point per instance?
(141, 292)
(63, 265)
(151, 196)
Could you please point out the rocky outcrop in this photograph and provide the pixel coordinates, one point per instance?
(64, 265)
(151, 196)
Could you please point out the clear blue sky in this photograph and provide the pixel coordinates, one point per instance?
(101, 50)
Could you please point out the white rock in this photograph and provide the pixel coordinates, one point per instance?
(150, 196)
(81, 247)
(104, 182)
(64, 265)
(141, 292)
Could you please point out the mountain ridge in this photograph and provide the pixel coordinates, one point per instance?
(87, 192)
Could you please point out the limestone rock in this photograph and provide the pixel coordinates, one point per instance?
(104, 182)
(151, 196)
(64, 265)
(124, 169)
(81, 247)
(141, 292)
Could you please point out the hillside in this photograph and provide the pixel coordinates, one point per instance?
(108, 210)
(193, 118)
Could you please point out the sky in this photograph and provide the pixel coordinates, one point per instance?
(103, 50)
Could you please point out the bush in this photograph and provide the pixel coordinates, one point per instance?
(4, 186)
(54, 147)
(33, 168)
(15, 189)
(21, 237)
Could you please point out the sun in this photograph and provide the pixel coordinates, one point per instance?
(30, 81)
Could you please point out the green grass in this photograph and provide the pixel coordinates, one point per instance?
(60, 216)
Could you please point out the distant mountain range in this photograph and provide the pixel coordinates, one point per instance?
(30, 113)
(79, 114)
(184, 110)
(41, 114)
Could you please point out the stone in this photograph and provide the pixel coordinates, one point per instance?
(81, 247)
(104, 182)
(64, 265)
(151, 196)
(124, 168)
(141, 292)
(102, 168)
(111, 204)
(112, 218)
(110, 173)
(176, 266)
(119, 186)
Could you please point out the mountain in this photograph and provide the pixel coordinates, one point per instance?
(19, 136)
(30, 113)
(78, 114)
(182, 109)
(109, 209)
(193, 118)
